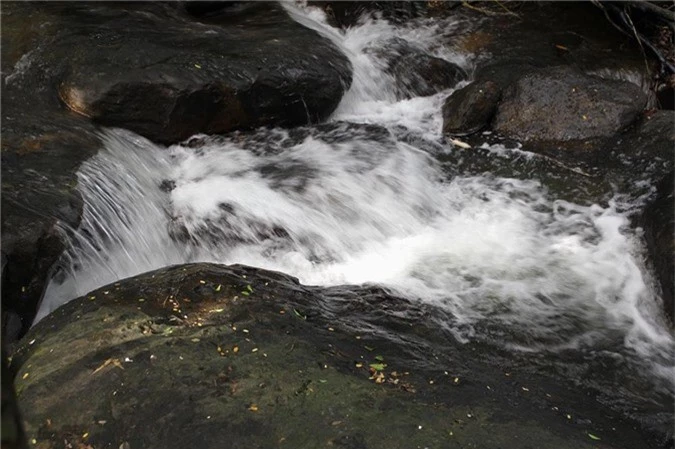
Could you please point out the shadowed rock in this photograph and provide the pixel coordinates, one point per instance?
(212, 356)
(415, 72)
(163, 75)
(563, 104)
(471, 108)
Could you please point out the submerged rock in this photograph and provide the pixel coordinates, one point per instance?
(213, 356)
(563, 104)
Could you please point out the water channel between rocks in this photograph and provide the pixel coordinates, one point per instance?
(366, 198)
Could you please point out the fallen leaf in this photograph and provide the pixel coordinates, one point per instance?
(593, 437)
(378, 366)
(253, 408)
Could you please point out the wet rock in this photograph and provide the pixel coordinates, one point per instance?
(470, 109)
(658, 222)
(39, 196)
(42, 147)
(416, 72)
(210, 356)
(153, 69)
(13, 436)
(563, 104)
(203, 9)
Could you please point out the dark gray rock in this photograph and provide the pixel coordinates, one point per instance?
(471, 108)
(563, 104)
(43, 145)
(179, 357)
(40, 157)
(658, 222)
(416, 72)
(153, 69)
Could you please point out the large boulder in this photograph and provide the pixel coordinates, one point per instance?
(563, 104)
(212, 356)
(167, 77)
(155, 69)
(525, 48)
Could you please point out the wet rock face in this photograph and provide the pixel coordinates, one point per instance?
(658, 222)
(214, 356)
(471, 108)
(41, 152)
(163, 75)
(415, 72)
(563, 104)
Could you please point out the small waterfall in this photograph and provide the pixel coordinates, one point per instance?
(348, 202)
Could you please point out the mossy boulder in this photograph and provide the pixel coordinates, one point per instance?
(212, 356)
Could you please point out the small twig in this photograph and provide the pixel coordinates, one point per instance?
(481, 10)
(508, 11)
(637, 36)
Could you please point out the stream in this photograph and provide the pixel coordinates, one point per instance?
(365, 199)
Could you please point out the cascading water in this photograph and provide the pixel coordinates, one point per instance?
(349, 202)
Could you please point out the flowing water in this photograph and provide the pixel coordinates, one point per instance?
(351, 201)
